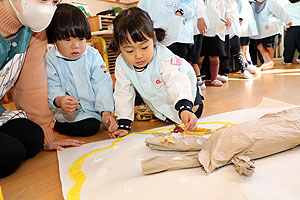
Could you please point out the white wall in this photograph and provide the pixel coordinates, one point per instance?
(96, 6)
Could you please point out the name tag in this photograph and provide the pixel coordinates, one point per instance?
(170, 3)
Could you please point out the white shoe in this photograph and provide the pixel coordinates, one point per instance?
(246, 75)
(267, 66)
(298, 60)
(216, 83)
(284, 63)
(253, 69)
(223, 78)
(201, 84)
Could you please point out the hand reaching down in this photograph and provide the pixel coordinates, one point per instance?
(110, 120)
(189, 119)
(118, 133)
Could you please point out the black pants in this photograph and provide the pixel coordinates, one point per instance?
(83, 128)
(291, 43)
(180, 49)
(20, 139)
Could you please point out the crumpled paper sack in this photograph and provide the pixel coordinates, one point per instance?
(240, 144)
(270, 134)
(182, 143)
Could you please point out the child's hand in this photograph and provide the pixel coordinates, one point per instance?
(189, 119)
(228, 22)
(110, 120)
(67, 103)
(201, 25)
(289, 25)
(118, 133)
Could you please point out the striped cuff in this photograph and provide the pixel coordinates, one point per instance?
(124, 124)
(184, 104)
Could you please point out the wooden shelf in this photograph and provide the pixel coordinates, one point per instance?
(123, 3)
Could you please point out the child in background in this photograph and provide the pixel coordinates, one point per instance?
(233, 48)
(269, 15)
(220, 16)
(79, 85)
(248, 29)
(166, 82)
(176, 17)
(194, 51)
(292, 37)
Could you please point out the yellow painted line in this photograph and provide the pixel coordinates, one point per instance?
(1, 197)
(78, 176)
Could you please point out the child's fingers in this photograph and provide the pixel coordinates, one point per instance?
(123, 133)
(111, 135)
(115, 134)
(112, 127)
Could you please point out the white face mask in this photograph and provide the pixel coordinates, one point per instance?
(36, 16)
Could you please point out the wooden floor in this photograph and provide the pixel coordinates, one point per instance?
(38, 178)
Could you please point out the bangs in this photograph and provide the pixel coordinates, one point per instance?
(73, 30)
(137, 30)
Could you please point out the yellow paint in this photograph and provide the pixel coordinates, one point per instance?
(105, 55)
(77, 175)
(1, 197)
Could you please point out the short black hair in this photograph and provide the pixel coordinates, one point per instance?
(136, 23)
(294, 1)
(68, 21)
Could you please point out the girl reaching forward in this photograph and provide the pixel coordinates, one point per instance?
(166, 82)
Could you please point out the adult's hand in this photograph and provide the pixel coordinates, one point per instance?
(59, 144)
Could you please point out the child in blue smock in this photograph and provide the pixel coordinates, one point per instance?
(269, 16)
(79, 85)
(292, 37)
(176, 17)
(165, 82)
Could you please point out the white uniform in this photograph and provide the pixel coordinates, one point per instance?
(269, 20)
(248, 28)
(162, 12)
(166, 80)
(218, 10)
(200, 12)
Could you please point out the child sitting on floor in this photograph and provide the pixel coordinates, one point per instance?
(79, 84)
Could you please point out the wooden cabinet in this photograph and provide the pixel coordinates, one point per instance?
(102, 39)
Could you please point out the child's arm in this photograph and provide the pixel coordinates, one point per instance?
(54, 85)
(230, 12)
(102, 84)
(200, 13)
(124, 97)
(179, 87)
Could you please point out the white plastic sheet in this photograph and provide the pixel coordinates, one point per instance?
(115, 172)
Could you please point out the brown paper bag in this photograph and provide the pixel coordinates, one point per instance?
(170, 162)
(182, 143)
(239, 144)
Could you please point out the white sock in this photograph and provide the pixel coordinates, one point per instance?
(267, 58)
